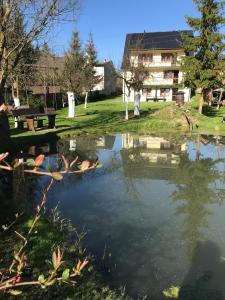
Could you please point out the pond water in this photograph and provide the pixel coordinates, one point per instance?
(154, 213)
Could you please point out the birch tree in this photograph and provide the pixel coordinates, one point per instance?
(134, 72)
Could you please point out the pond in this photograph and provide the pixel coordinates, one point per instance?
(154, 212)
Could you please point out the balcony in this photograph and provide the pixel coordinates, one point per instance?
(159, 64)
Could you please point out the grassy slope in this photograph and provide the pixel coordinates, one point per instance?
(210, 120)
(108, 117)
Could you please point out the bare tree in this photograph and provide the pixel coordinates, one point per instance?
(38, 17)
(134, 72)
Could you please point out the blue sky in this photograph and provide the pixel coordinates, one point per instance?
(110, 21)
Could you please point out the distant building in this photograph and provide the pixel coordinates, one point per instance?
(48, 66)
(107, 85)
(161, 54)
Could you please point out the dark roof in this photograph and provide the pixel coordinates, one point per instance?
(49, 62)
(104, 63)
(154, 41)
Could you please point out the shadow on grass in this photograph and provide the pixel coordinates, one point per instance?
(103, 121)
(211, 111)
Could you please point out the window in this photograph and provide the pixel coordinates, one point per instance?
(147, 92)
(143, 58)
(164, 92)
(166, 57)
(168, 75)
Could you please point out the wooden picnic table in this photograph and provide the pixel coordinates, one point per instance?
(32, 115)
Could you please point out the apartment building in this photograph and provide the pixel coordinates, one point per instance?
(160, 54)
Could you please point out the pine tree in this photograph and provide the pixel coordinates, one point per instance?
(91, 52)
(91, 78)
(204, 66)
(45, 49)
(73, 71)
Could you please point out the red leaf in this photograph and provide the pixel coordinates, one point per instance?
(3, 155)
(73, 162)
(39, 160)
(65, 162)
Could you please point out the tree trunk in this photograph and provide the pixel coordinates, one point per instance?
(4, 129)
(137, 99)
(126, 107)
(2, 87)
(71, 105)
(86, 98)
(201, 102)
(198, 148)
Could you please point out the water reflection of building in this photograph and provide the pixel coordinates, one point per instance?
(92, 143)
(85, 147)
(158, 154)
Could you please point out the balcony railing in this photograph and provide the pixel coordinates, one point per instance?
(159, 64)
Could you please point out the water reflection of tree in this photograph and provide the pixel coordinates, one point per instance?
(24, 189)
(194, 192)
(6, 208)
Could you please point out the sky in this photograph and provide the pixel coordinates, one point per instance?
(110, 20)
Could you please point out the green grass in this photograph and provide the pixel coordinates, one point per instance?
(211, 119)
(99, 118)
(107, 116)
(47, 237)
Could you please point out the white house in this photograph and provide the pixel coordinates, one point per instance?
(161, 54)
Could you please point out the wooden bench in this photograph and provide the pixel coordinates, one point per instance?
(156, 99)
(51, 113)
(34, 115)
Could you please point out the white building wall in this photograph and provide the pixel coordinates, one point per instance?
(156, 77)
(99, 72)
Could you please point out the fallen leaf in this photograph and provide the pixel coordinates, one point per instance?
(172, 292)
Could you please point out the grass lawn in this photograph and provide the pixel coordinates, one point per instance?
(107, 116)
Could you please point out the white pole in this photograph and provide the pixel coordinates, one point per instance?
(71, 104)
(85, 102)
(17, 104)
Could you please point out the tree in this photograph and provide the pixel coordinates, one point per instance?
(4, 126)
(73, 72)
(194, 194)
(20, 74)
(45, 49)
(205, 68)
(134, 72)
(38, 18)
(91, 78)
